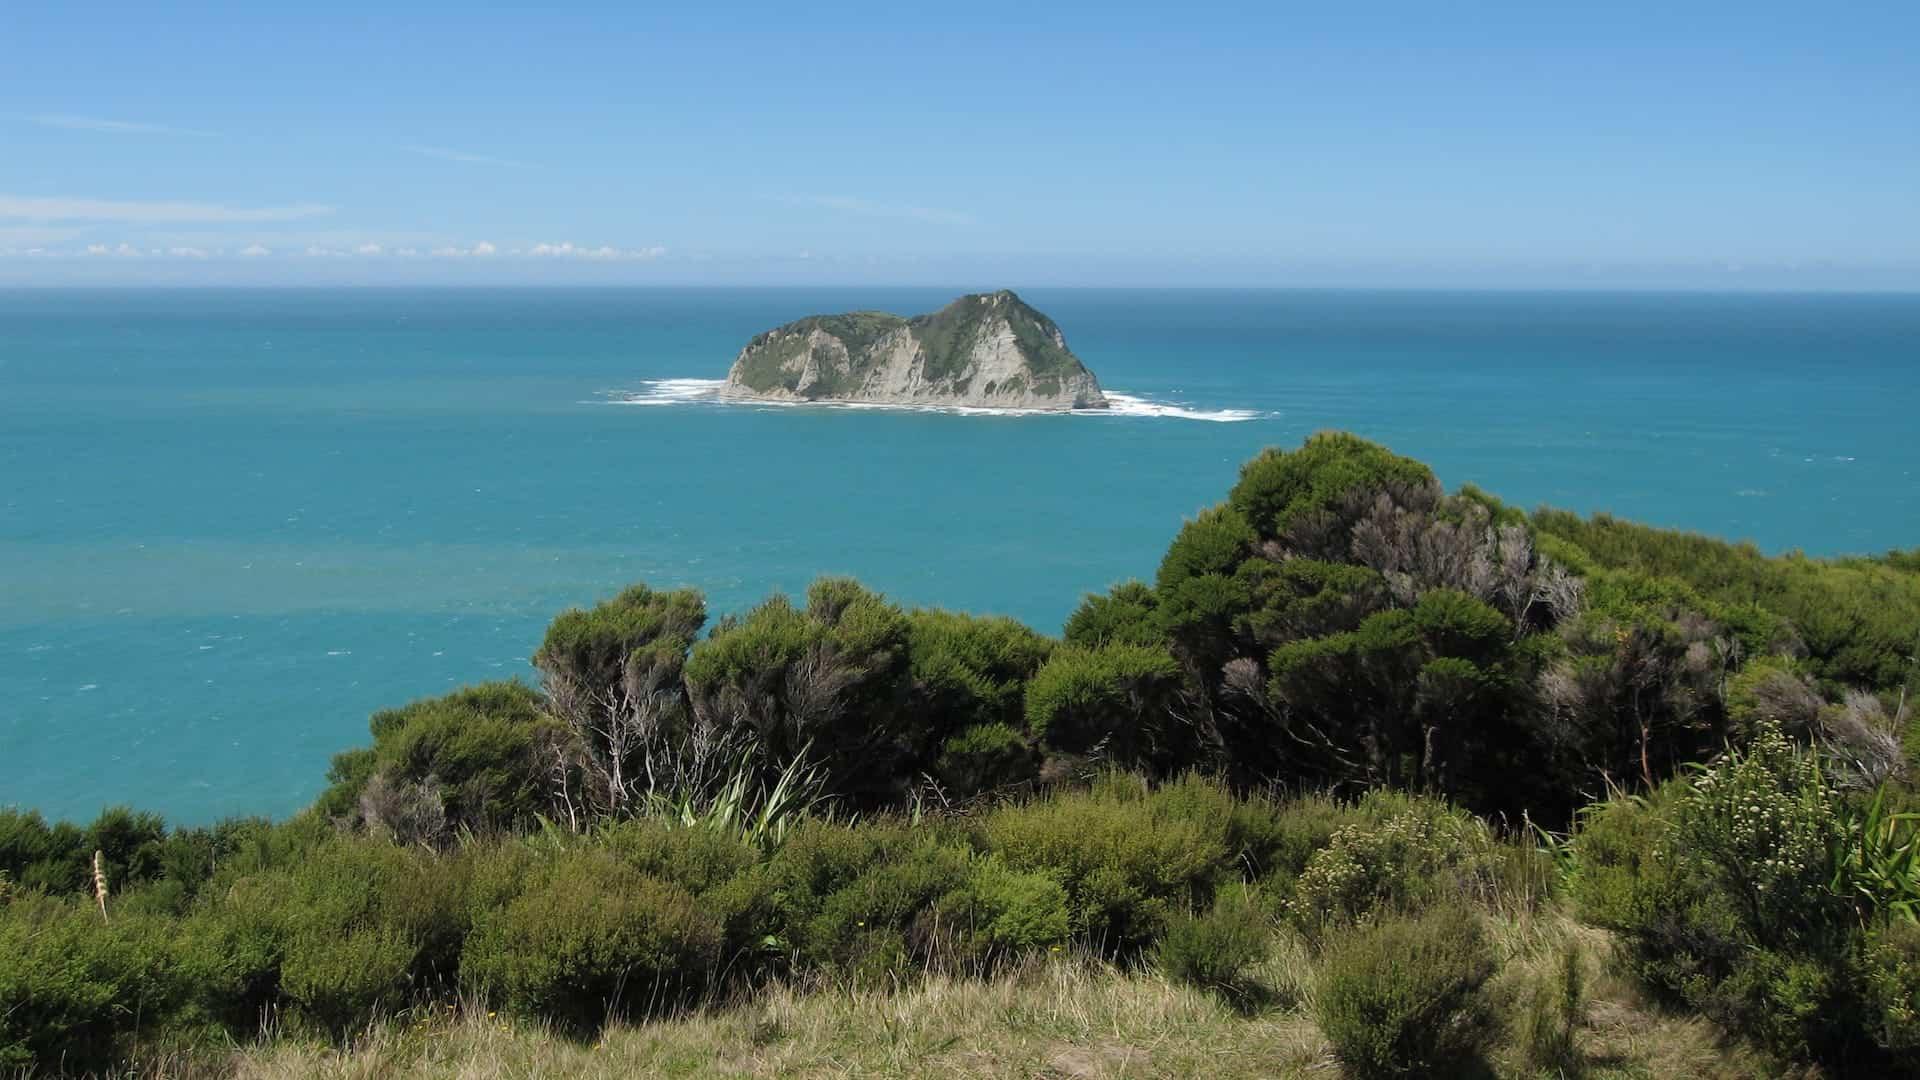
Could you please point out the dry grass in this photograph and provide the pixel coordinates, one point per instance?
(1067, 1017)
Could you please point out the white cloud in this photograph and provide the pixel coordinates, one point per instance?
(569, 250)
(483, 248)
(406, 252)
(187, 252)
(317, 251)
(367, 249)
(851, 204)
(97, 249)
(465, 157)
(30, 208)
(117, 127)
(254, 251)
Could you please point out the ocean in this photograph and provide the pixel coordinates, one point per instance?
(235, 522)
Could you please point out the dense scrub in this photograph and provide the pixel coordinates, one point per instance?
(1715, 749)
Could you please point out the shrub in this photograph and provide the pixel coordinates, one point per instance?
(985, 757)
(341, 980)
(1762, 824)
(884, 919)
(1892, 982)
(832, 676)
(1410, 853)
(968, 671)
(230, 953)
(589, 939)
(696, 858)
(1124, 615)
(1409, 996)
(1278, 489)
(1215, 950)
(1127, 865)
(463, 759)
(1613, 854)
(72, 989)
(1112, 698)
(1005, 911)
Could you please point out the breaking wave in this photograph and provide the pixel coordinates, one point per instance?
(657, 392)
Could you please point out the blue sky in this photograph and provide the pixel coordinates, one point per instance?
(1702, 145)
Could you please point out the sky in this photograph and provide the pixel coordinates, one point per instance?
(1620, 145)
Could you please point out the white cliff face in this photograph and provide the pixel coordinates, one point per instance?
(987, 366)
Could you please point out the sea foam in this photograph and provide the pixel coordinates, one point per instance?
(657, 392)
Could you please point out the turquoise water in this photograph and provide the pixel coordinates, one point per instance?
(232, 523)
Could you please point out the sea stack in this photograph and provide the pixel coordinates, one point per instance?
(988, 350)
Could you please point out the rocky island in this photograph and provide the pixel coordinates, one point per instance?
(990, 350)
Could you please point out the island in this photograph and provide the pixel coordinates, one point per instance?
(987, 350)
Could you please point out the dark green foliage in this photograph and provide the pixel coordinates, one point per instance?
(969, 678)
(832, 677)
(1408, 997)
(1217, 949)
(985, 757)
(1859, 620)
(72, 989)
(590, 938)
(1281, 490)
(38, 856)
(1128, 860)
(138, 850)
(1732, 898)
(1113, 699)
(596, 648)
(1339, 623)
(1892, 989)
(1124, 615)
(464, 759)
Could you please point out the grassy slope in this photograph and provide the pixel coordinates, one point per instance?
(1062, 1017)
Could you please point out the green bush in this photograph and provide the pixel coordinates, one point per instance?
(1124, 615)
(968, 672)
(983, 758)
(339, 981)
(1892, 982)
(1009, 910)
(696, 858)
(1127, 864)
(1112, 699)
(74, 991)
(1404, 855)
(436, 765)
(882, 921)
(1725, 894)
(1215, 950)
(230, 953)
(832, 678)
(593, 938)
(1409, 996)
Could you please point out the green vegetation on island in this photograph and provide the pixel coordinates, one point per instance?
(1370, 774)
